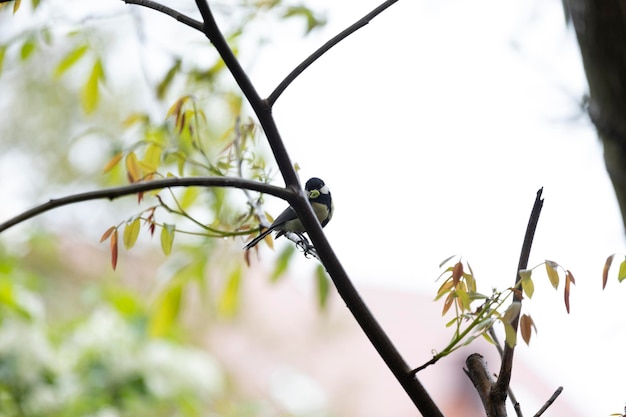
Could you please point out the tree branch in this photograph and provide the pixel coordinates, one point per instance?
(548, 403)
(116, 192)
(324, 48)
(168, 11)
(504, 376)
(303, 209)
(260, 107)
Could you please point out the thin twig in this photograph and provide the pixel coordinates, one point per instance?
(324, 48)
(548, 403)
(168, 11)
(116, 192)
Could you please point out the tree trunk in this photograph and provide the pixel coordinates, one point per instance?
(601, 31)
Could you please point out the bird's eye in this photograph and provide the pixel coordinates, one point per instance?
(314, 193)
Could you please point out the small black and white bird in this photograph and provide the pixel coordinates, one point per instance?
(288, 221)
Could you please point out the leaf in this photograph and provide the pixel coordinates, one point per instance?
(28, 48)
(152, 158)
(569, 278)
(448, 303)
(69, 60)
(323, 285)
(553, 275)
(132, 167)
(457, 272)
(229, 300)
(527, 283)
(106, 234)
(16, 5)
(621, 275)
(131, 231)
(167, 80)
(605, 271)
(167, 238)
(510, 335)
(445, 261)
(3, 50)
(166, 309)
(512, 312)
(189, 196)
(113, 245)
(112, 162)
(90, 94)
(282, 262)
(526, 325)
(445, 287)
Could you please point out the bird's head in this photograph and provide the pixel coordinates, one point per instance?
(315, 187)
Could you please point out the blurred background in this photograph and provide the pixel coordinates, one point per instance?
(434, 126)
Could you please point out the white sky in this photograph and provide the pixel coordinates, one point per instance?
(434, 126)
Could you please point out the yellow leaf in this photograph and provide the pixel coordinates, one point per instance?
(527, 283)
(553, 275)
(132, 167)
(229, 300)
(131, 231)
(512, 312)
(166, 310)
(70, 59)
(16, 5)
(112, 162)
(621, 275)
(90, 96)
(167, 238)
(510, 335)
(152, 158)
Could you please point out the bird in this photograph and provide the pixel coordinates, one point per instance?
(288, 221)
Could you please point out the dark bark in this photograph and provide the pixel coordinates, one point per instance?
(601, 31)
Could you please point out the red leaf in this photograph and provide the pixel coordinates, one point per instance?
(605, 272)
(569, 278)
(106, 234)
(113, 245)
(457, 272)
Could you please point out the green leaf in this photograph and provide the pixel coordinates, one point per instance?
(69, 60)
(282, 262)
(131, 231)
(621, 275)
(35, 3)
(166, 310)
(229, 301)
(167, 80)
(3, 50)
(28, 48)
(167, 238)
(512, 312)
(527, 283)
(90, 96)
(189, 196)
(510, 335)
(323, 286)
(553, 275)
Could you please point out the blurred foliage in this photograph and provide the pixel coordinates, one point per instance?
(91, 93)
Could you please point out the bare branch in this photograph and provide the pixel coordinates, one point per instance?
(504, 376)
(168, 11)
(116, 192)
(324, 48)
(548, 403)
